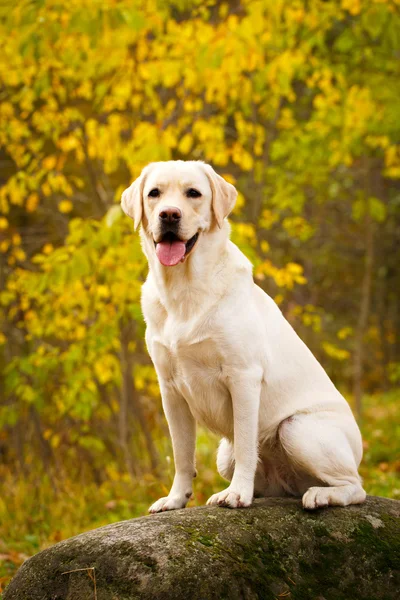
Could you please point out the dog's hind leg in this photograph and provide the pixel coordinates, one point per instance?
(328, 450)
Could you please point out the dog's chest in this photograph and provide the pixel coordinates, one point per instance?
(196, 370)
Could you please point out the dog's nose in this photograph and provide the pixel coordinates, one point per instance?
(170, 214)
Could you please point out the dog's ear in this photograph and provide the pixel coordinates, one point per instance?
(223, 195)
(132, 198)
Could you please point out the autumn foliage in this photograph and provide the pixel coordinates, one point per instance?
(296, 103)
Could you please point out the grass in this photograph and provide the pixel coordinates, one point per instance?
(380, 427)
(34, 516)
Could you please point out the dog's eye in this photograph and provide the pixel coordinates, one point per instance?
(154, 193)
(192, 193)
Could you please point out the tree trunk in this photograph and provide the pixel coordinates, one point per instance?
(138, 411)
(381, 310)
(130, 402)
(362, 323)
(127, 385)
(45, 448)
(272, 550)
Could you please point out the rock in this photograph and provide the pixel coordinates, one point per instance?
(273, 550)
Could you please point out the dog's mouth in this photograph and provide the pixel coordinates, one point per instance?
(171, 250)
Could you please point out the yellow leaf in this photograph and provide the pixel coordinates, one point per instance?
(80, 332)
(230, 178)
(102, 371)
(265, 247)
(55, 441)
(185, 144)
(246, 161)
(46, 189)
(50, 162)
(19, 254)
(48, 249)
(335, 352)
(344, 333)
(32, 202)
(65, 206)
(103, 291)
(47, 434)
(3, 223)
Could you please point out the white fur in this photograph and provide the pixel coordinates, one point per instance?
(227, 358)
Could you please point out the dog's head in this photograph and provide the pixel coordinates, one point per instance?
(178, 201)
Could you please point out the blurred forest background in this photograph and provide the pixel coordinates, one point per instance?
(298, 104)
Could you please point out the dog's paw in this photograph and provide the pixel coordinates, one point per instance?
(232, 498)
(168, 503)
(316, 497)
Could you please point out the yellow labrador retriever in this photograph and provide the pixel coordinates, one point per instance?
(226, 357)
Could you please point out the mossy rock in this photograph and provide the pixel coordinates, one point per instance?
(273, 550)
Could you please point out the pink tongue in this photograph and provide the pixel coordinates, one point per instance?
(170, 253)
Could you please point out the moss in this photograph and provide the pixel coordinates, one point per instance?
(345, 570)
(199, 536)
(385, 547)
(320, 530)
(205, 540)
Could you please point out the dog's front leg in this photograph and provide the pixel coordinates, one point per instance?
(245, 390)
(182, 428)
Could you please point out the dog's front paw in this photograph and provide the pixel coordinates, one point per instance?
(169, 503)
(232, 498)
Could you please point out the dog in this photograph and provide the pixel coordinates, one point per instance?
(226, 357)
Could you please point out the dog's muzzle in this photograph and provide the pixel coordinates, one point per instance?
(171, 250)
